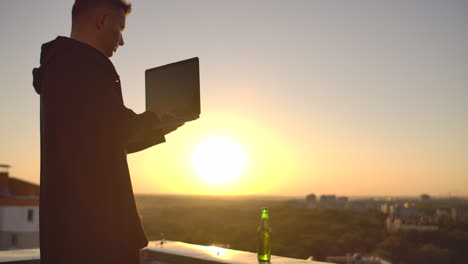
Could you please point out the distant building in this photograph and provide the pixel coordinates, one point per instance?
(394, 224)
(401, 209)
(408, 212)
(19, 212)
(311, 201)
(341, 201)
(459, 214)
(445, 212)
(385, 208)
(328, 201)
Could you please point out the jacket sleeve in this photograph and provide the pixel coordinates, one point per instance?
(142, 135)
(138, 132)
(106, 119)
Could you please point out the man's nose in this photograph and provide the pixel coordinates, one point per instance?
(121, 41)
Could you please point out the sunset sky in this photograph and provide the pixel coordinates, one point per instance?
(342, 97)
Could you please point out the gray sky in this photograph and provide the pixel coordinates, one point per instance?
(366, 97)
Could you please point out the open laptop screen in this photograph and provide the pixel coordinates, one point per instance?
(174, 89)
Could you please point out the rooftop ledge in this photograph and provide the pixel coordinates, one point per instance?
(170, 252)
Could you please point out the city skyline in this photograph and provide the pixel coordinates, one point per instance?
(326, 97)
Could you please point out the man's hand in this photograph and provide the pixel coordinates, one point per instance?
(163, 116)
(154, 119)
(168, 129)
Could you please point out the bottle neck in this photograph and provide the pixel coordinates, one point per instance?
(265, 219)
(265, 223)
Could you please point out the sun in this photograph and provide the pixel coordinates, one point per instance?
(218, 160)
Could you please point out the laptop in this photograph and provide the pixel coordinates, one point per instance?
(173, 92)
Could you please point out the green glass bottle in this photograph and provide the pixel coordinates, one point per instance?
(264, 237)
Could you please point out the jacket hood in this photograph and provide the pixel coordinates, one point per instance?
(61, 48)
(48, 52)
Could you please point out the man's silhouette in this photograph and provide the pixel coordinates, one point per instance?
(87, 207)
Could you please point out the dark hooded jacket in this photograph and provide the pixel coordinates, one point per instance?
(86, 196)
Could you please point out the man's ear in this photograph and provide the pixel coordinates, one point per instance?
(101, 20)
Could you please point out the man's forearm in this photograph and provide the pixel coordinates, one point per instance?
(142, 135)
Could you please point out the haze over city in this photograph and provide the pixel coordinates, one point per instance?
(345, 97)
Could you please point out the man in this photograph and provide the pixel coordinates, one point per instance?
(87, 207)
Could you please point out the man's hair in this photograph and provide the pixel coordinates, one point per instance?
(82, 6)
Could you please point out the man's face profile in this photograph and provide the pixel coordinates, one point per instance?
(111, 24)
(100, 23)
